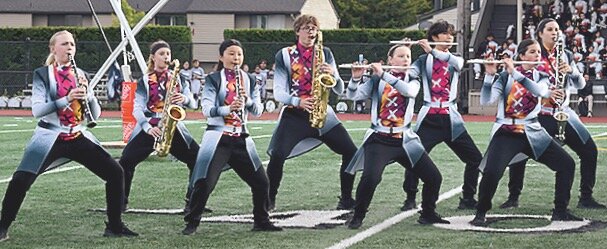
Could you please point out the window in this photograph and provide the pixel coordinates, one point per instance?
(259, 21)
(65, 20)
(171, 20)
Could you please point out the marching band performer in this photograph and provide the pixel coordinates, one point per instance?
(60, 104)
(148, 111)
(438, 120)
(390, 138)
(517, 130)
(577, 136)
(229, 95)
(294, 134)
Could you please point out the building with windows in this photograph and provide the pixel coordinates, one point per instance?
(206, 18)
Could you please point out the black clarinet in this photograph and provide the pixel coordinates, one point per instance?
(238, 85)
(86, 109)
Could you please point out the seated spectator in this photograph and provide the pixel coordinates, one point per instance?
(585, 98)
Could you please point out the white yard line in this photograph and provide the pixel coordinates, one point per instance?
(60, 169)
(604, 134)
(389, 222)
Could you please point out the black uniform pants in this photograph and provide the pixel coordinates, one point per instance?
(233, 151)
(503, 147)
(379, 152)
(140, 147)
(586, 152)
(436, 129)
(83, 151)
(294, 127)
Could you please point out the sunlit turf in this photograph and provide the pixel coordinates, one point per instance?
(54, 214)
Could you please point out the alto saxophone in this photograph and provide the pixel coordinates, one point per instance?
(321, 85)
(560, 116)
(171, 114)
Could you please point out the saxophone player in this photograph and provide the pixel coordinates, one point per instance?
(293, 80)
(228, 96)
(61, 134)
(577, 136)
(148, 110)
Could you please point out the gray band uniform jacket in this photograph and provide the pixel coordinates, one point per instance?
(143, 115)
(573, 80)
(499, 90)
(373, 88)
(44, 107)
(422, 69)
(214, 109)
(282, 93)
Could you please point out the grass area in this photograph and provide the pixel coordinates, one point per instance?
(54, 214)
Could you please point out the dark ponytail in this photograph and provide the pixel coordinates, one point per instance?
(222, 48)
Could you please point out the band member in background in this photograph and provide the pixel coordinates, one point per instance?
(185, 74)
(294, 134)
(577, 136)
(390, 138)
(61, 136)
(229, 95)
(197, 76)
(518, 92)
(438, 120)
(148, 111)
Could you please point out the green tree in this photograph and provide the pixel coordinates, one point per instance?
(132, 15)
(380, 13)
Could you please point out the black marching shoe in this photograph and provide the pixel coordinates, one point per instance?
(355, 222)
(118, 231)
(430, 217)
(466, 203)
(564, 215)
(345, 203)
(190, 228)
(3, 234)
(590, 203)
(510, 203)
(265, 226)
(479, 219)
(408, 205)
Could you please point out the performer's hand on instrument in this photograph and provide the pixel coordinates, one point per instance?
(557, 94)
(155, 132)
(76, 93)
(177, 99)
(376, 67)
(509, 65)
(491, 68)
(237, 104)
(407, 39)
(83, 81)
(307, 104)
(357, 72)
(326, 68)
(425, 46)
(565, 68)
